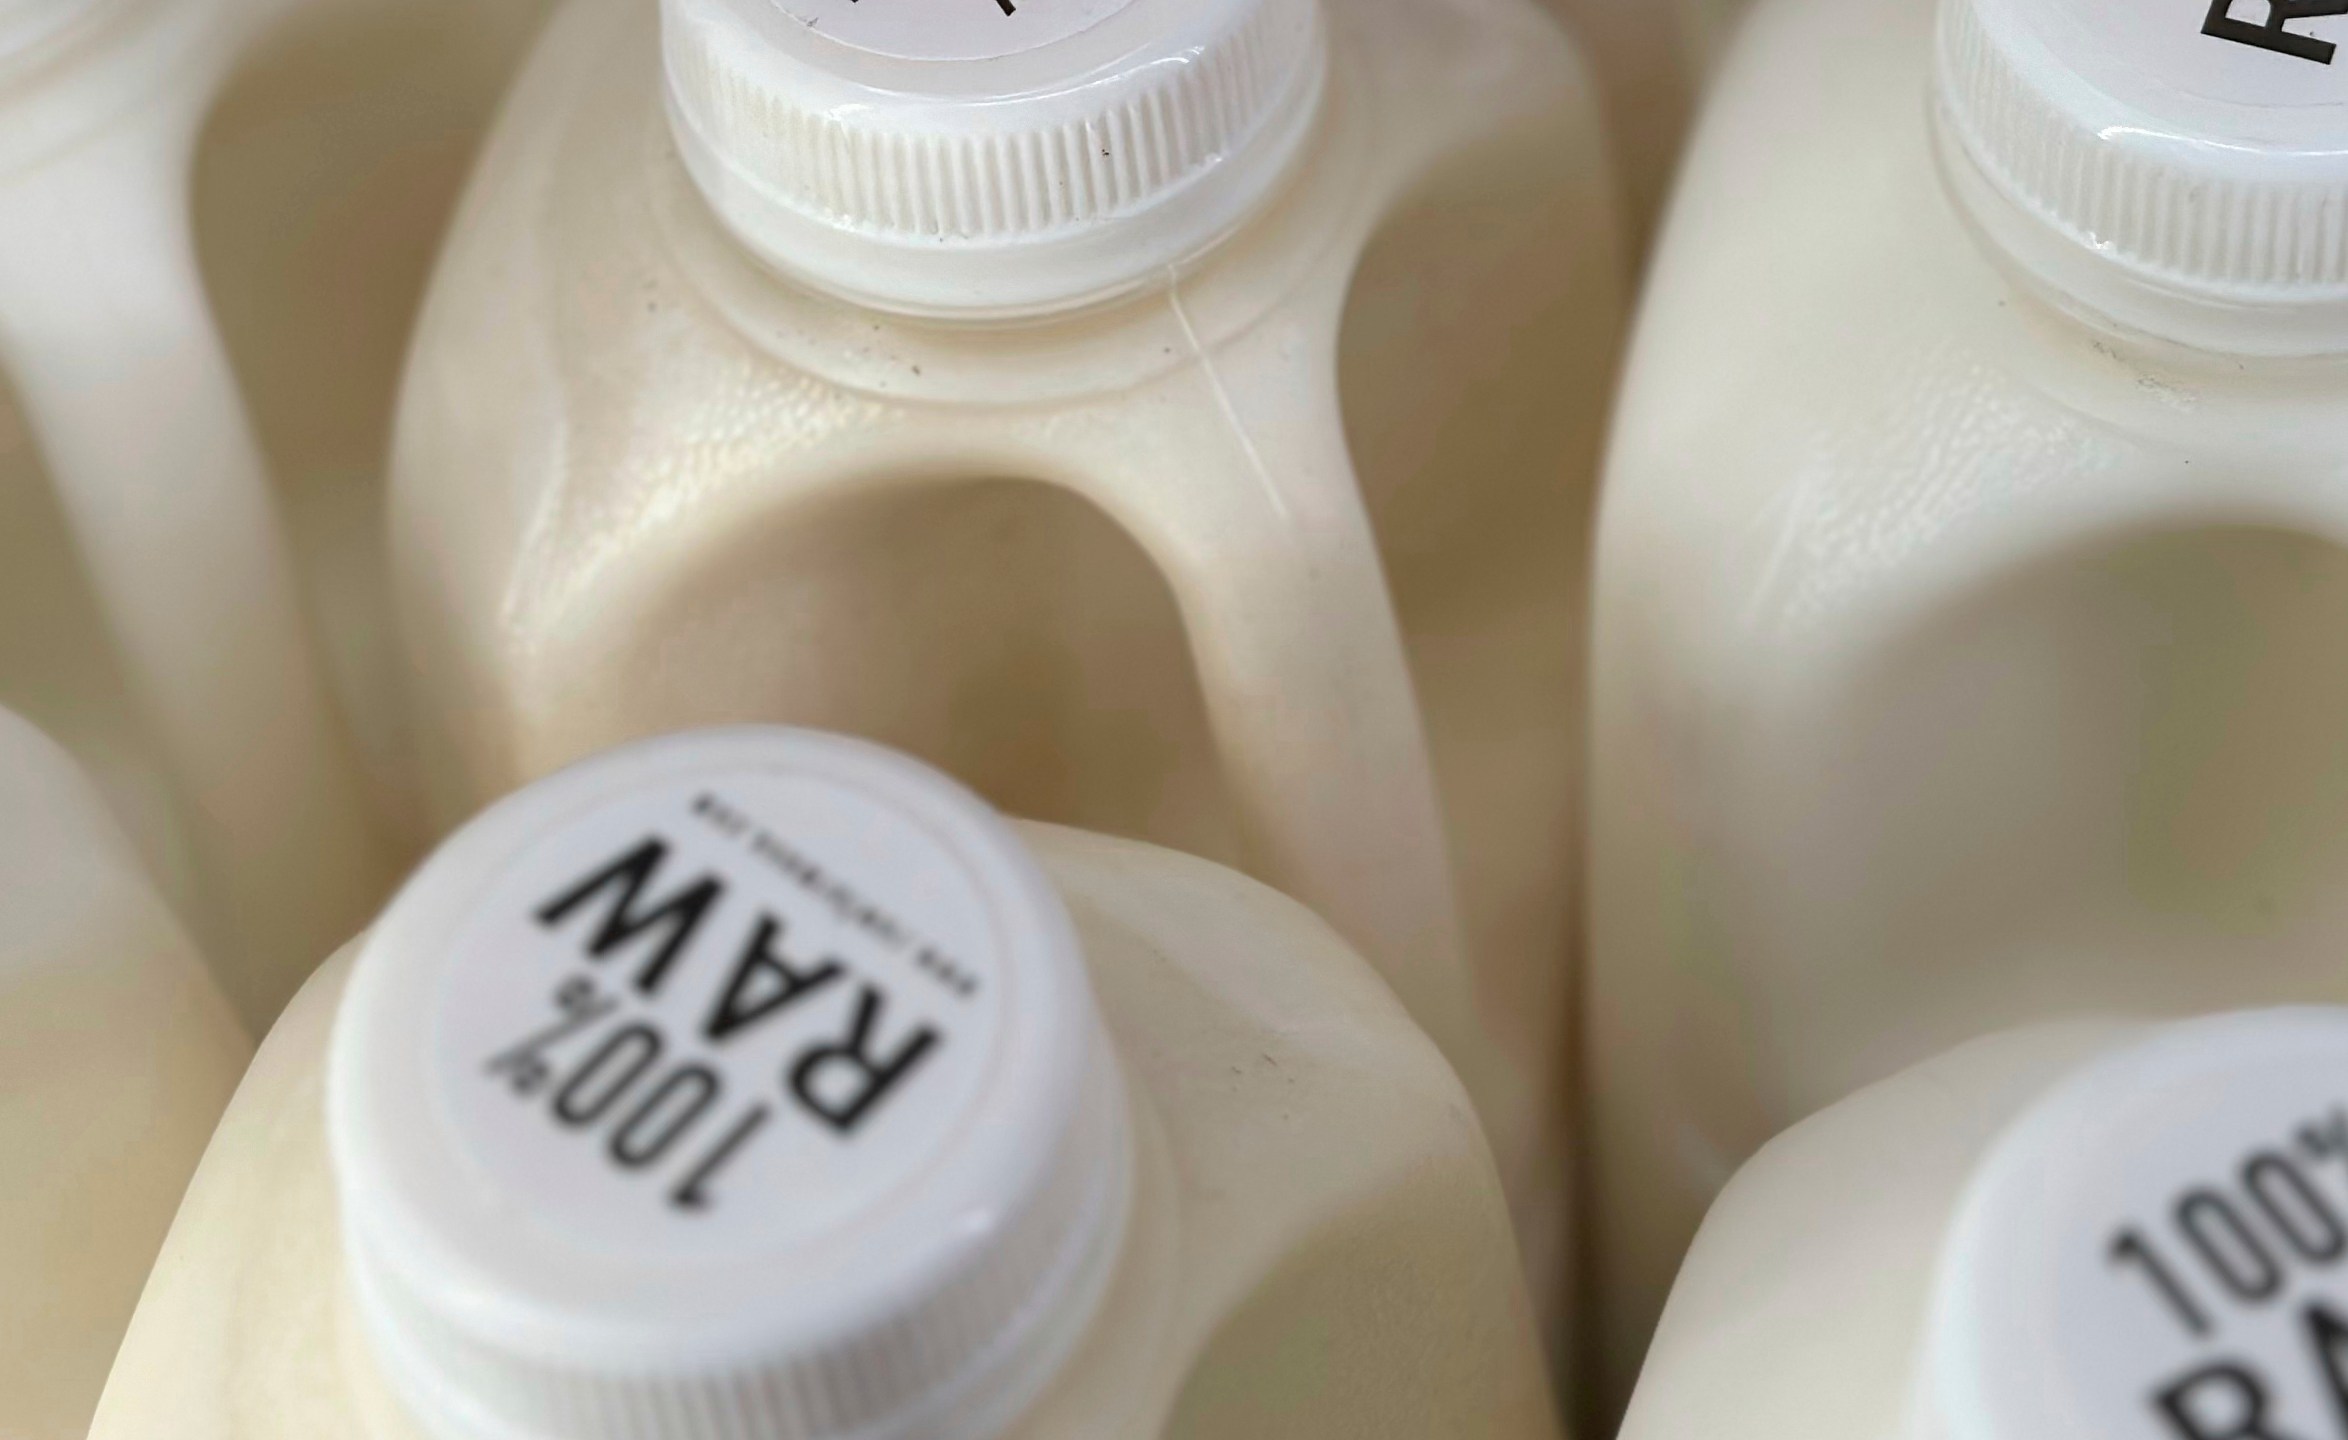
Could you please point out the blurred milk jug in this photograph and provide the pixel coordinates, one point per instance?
(1139, 409)
(116, 1057)
(215, 219)
(762, 1084)
(2098, 1231)
(1970, 593)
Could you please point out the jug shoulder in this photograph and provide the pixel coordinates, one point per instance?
(1207, 973)
(1801, 1303)
(1781, 523)
(1323, 1161)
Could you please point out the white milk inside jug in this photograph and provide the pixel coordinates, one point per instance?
(215, 220)
(1088, 443)
(2096, 1230)
(757, 1083)
(117, 1054)
(1966, 632)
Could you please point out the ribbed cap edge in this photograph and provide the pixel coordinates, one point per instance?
(2188, 215)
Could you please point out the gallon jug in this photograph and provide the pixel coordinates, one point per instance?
(761, 1084)
(1138, 409)
(116, 1057)
(2098, 1231)
(1968, 594)
(215, 217)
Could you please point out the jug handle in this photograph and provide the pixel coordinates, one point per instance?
(127, 387)
(1272, 560)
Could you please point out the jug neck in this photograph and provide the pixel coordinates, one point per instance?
(1028, 163)
(2176, 327)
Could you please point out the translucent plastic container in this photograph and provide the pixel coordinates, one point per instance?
(1970, 579)
(1191, 442)
(117, 1055)
(215, 216)
(759, 1084)
(2096, 1230)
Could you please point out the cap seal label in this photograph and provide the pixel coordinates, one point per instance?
(950, 29)
(2161, 1251)
(720, 1015)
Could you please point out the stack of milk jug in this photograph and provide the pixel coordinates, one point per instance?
(544, 542)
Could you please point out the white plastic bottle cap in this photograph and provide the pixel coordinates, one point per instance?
(2181, 168)
(743, 1085)
(988, 157)
(2158, 1250)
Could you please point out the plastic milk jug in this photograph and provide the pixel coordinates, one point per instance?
(761, 1084)
(117, 1054)
(1968, 595)
(1167, 416)
(2100, 1231)
(215, 218)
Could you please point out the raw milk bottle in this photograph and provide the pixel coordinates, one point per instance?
(1969, 593)
(215, 216)
(1167, 416)
(2100, 1231)
(759, 1084)
(117, 1054)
